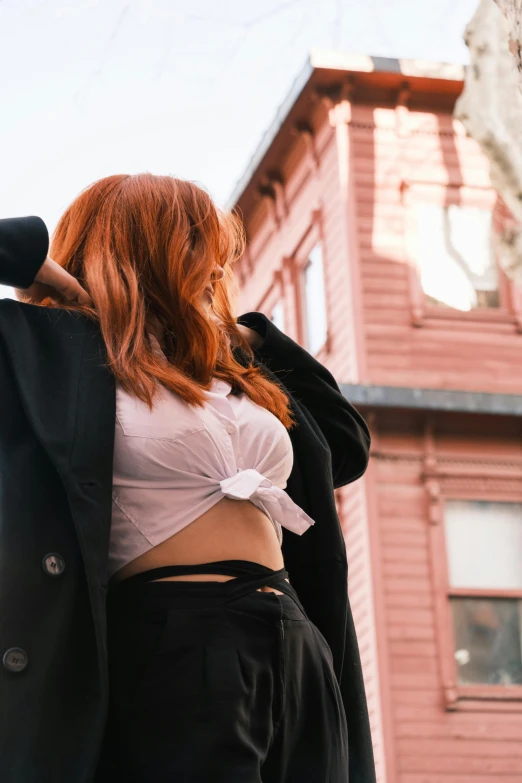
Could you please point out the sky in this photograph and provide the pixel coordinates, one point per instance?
(98, 87)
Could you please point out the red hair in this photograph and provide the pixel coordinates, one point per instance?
(145, 244)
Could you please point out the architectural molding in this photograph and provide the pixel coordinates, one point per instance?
(452, 401)
(305, 131)
(402, 125)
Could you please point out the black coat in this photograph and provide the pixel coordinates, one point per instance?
(57, 422)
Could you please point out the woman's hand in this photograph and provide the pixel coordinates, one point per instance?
(252, 337)
(52, 280)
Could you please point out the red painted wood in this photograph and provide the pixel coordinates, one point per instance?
(370, 162)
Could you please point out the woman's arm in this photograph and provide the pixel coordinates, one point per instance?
(310, 383)
(24, 243)
(25, 265)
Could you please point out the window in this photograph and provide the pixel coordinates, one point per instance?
(455, 257)
(278, 315)
(484, 555)
(454, 273)
(314, 301)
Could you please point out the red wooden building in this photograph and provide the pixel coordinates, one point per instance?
(370, 218)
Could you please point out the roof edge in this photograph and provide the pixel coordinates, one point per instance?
(365, 63)
(342, 61)
(448, 400)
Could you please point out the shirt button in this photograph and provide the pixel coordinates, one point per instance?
(231, 429)
(15, 659)
(53, 564)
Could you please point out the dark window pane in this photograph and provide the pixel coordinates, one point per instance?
(488, 640)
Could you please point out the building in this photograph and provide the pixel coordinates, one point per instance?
(370, 217)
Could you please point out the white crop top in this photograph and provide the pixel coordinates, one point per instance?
(173, 464)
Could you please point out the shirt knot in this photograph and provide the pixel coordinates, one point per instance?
(251, 485)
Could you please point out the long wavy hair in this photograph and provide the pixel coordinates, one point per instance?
(147, 245)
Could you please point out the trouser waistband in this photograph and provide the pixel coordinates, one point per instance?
(249, 577)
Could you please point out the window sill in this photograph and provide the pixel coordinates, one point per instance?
(484, 698)
(440, 318)
(477, 314)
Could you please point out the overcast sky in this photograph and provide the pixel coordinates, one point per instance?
(96, 87)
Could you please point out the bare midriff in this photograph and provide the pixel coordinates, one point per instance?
(230, 530)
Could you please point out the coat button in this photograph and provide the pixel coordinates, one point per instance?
(15, 659)
(53, 564)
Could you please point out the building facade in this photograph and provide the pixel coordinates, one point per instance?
(371, 221)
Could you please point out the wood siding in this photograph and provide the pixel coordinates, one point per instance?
(452, 353)
(373, 154)
(309, 189)
(431, 743)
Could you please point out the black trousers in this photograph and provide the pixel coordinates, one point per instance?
(214, 682)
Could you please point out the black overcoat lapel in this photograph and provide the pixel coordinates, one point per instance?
(69, 399)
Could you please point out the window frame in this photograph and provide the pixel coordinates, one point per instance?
(444, 482)
(312, 237)
(426, 314)
(280, 302)
(274, 294)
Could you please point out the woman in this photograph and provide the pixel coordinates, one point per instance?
(172, 632)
